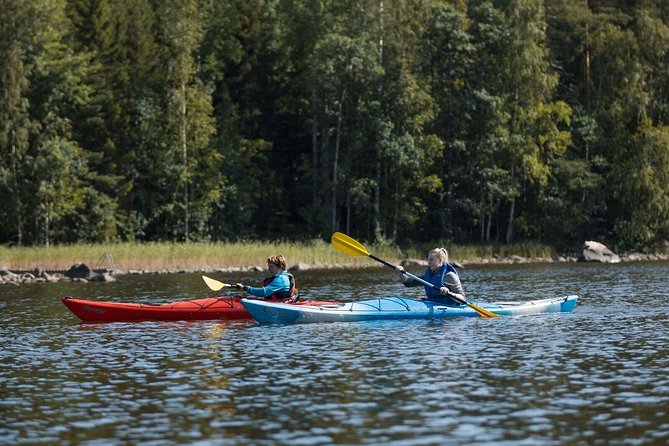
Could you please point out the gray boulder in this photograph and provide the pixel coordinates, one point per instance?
(104, 277)
(80, 271)
(4, 272)
(598, 252)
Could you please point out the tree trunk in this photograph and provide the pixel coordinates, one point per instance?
(17, 202)
(489, 224)
(483, 222)
(324, 172)
(46, 228)
(184, 149)
(348, 213)
(377, 197)
(314, 173)
(512, 211)
(509, 229)
(587, 64)
(335, 162)
(396, 216)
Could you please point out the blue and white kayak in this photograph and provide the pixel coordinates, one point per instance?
(395, 308)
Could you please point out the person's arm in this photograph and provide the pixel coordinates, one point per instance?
(406, 280)
(452, 287)
(281, 283)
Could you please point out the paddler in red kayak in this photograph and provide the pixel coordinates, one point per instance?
(280, 286)
(441, 274)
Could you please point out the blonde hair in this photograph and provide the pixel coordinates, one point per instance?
(442, 253)
(277, 260)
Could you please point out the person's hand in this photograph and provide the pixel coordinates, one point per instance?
(400, 272)
(239, 286)
(444, 290)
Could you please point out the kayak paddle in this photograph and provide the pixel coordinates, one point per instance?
(352, 247)
(214, 284)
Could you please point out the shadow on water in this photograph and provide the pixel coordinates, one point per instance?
(599, 375)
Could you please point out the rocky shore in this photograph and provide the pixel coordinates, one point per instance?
(77, 273)
(592, 252)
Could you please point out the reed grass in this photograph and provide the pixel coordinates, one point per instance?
(472, 253)
(182, 256)
(245, 254)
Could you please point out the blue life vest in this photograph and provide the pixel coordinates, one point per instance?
(435, 278)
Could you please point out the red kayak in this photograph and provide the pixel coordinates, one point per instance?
(222, 307)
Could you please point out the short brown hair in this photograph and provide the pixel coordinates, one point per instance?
(277, 260)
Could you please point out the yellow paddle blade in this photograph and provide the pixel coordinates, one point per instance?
(346, 244)
(214, 284)
(482, 311)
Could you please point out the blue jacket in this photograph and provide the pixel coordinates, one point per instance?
(280, 284)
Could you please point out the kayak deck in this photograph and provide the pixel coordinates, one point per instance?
(397, 308)
(211, 308)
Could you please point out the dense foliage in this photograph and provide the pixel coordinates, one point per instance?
(400, 120)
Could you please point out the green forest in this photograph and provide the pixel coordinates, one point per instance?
(403, 121)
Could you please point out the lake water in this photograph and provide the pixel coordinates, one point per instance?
(597, 376)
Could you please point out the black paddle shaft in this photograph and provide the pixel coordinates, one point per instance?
(383, 261)
(424, 282)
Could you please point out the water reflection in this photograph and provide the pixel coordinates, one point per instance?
(599, 375)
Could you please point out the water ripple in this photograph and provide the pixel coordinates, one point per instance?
(597, 376)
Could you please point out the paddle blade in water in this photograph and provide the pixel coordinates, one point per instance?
(346, 244)
(482, 311)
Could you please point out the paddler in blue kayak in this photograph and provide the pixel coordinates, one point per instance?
(280, 286)
(441, 274)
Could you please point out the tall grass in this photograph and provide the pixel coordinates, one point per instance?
(192, 256)
(176, 256)
(471, 253)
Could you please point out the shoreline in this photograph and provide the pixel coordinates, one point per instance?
(82, 273)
